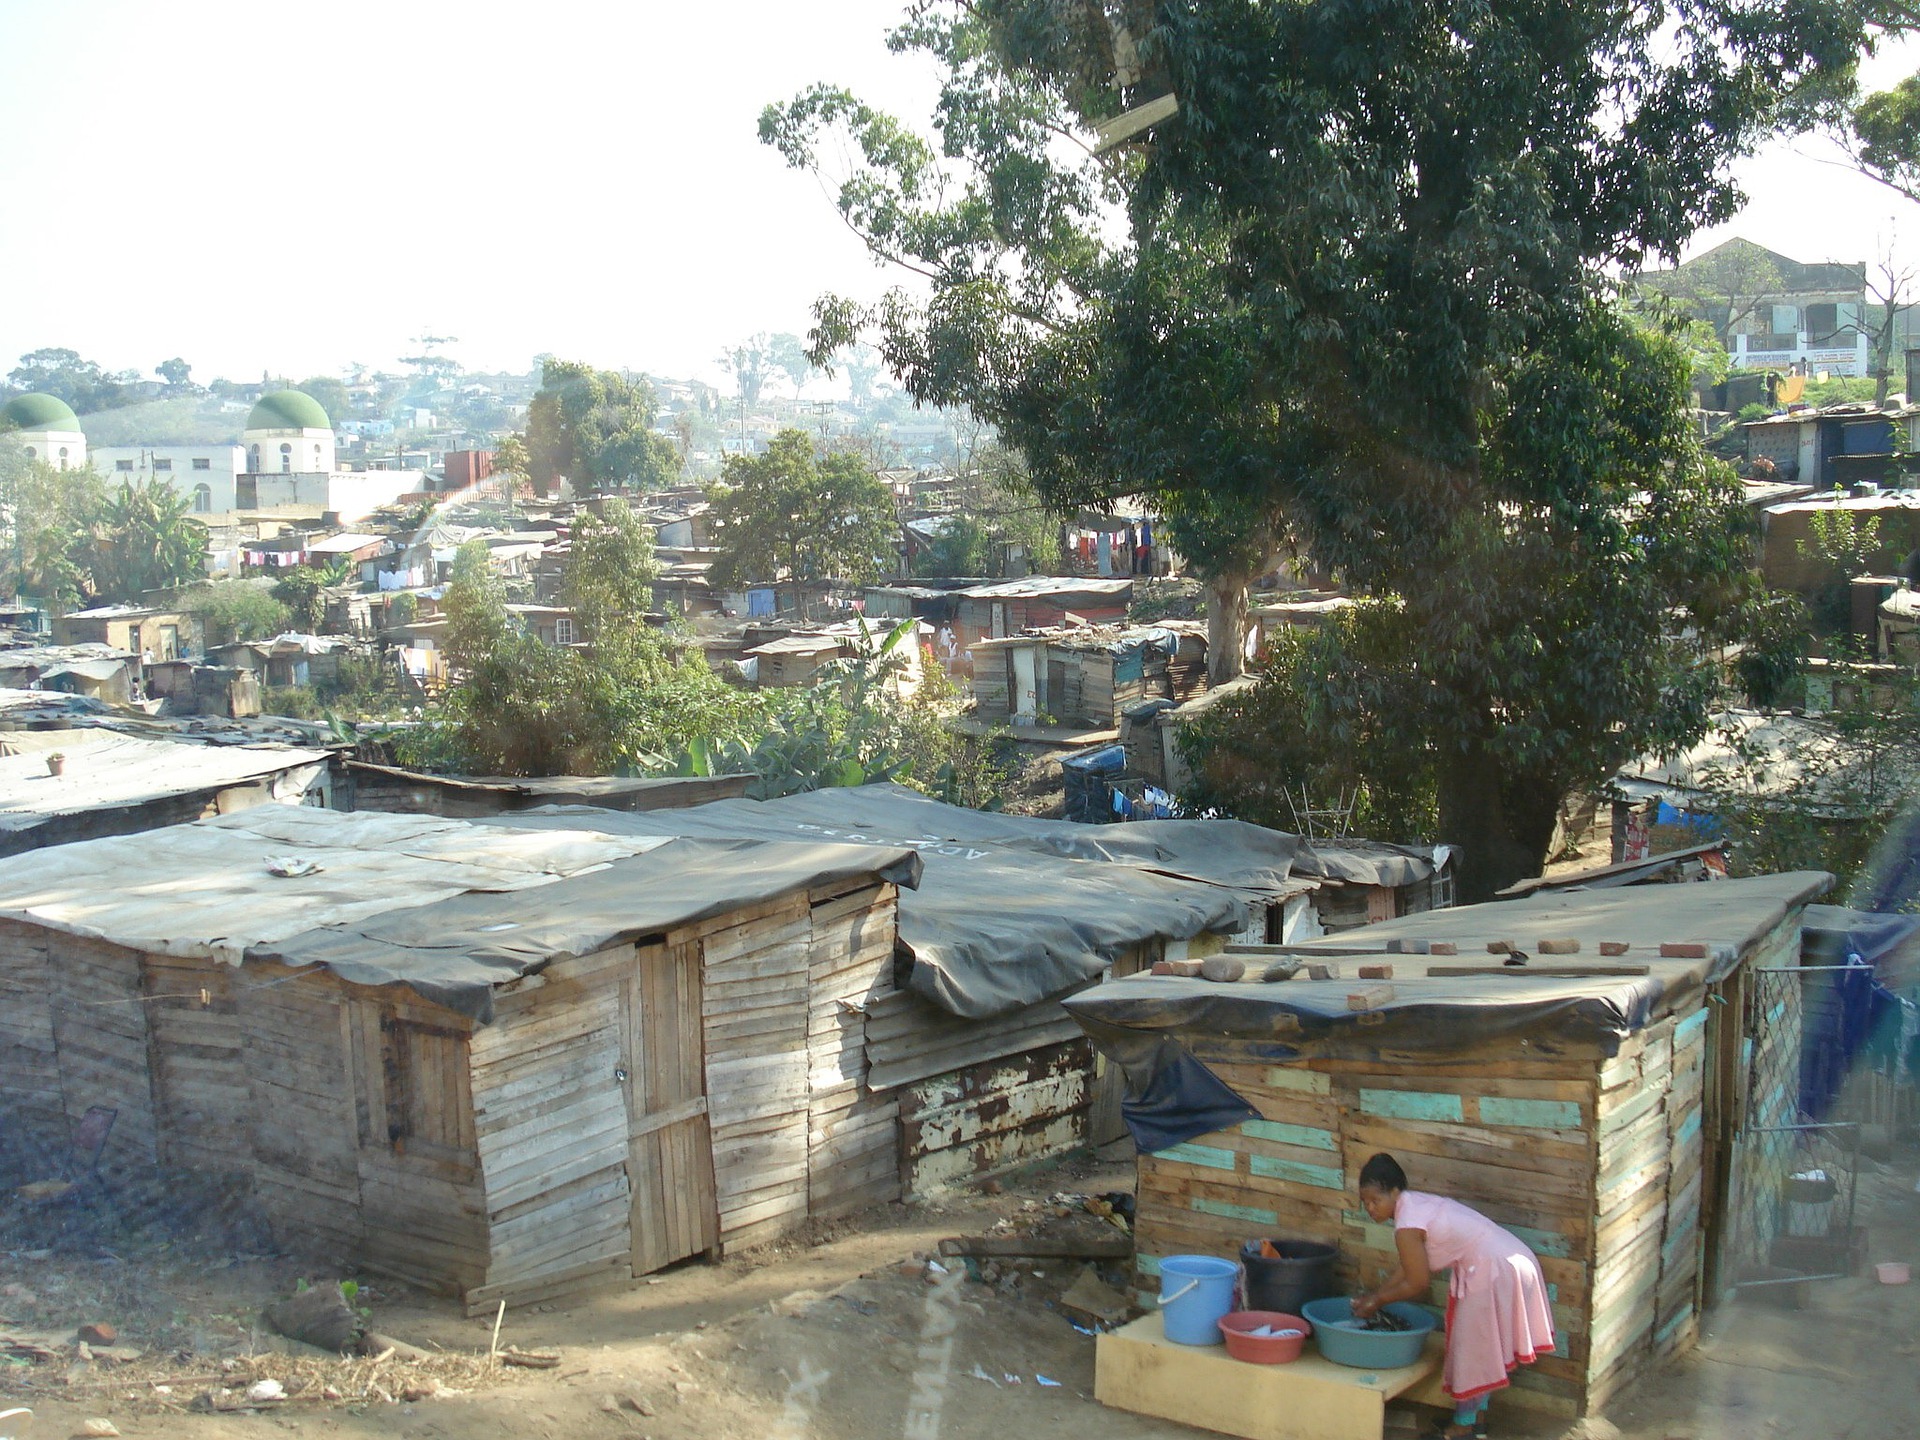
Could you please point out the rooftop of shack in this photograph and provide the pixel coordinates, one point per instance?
(1434, 1004)
(437, 905)
(105, 771)
(1013, 909)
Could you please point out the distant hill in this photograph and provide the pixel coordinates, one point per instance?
(183, 420)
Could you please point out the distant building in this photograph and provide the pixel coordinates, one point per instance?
(1775, 312)
(48, 429)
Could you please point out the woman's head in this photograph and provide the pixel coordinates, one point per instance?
(1381, 1181)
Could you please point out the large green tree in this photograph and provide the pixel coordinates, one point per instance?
(610, 572)
(594, 428)
(79, 382)
(796, 514)
(145, 538)
(1352, 290)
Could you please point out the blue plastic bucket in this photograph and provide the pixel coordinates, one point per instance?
(1195, 1291)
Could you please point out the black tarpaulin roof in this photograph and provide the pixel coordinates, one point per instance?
(1011, 909)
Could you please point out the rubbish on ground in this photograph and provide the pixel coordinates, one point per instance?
(1089, 1295)
(979, 1374)
(1032, 1247)
(1050, 1384)
(528, 1359)
(318, 1315)
(266, 1392)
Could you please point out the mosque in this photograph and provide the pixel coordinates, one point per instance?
(285, 457)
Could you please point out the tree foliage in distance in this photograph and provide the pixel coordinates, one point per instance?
(610, 572)
(81, 383)
(143, 539)
(303, 591)
(994, 505)
(1353, 290)
(46, 515)
(330, 393)
(751, 362)
(594, 428)
(1843, 543)
(1725, 287)
(796, 514)
(234, 610)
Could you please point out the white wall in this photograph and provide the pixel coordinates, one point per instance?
(47, 444)
(174, 465)
(312, 451)
(355, 494)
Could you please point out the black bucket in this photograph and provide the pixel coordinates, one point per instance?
(1303, 1272)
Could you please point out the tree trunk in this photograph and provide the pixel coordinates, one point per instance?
(1226, 626)
(1502, 822)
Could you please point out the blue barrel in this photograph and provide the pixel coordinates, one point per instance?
(1195, 1291)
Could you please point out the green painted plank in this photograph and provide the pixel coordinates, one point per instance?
(1411, 1105)
(1304, 1082)
(1147, 1264)
(1684, 1032)
(1305, 1136)
(1234, 1212)
(1298, 1171)
(1544, 1242)
(1533, 1114)
(1689, 1128)
(1212, 1156)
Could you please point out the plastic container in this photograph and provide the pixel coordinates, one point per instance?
(1195, 1291)
(1303, 1272)
(1892, 1272)
(1339, 1342)
(1264, 1349)
(1810, 1204)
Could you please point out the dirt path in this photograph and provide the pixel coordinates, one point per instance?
(836, 1338)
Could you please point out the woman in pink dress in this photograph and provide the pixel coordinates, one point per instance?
(1497, 1311)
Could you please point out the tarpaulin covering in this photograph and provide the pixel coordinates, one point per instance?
(1848, 1010)
(456, 951)
(1181, 1099)
(1011, 910)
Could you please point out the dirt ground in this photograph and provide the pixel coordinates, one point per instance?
(844, 1335)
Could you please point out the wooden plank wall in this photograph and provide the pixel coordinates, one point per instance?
(33, 1114)
(424, 1213)
(852, 1133)
(1512, 1137)
(756, 1013)
(100, 1034)
(303, 1132)
(550, 1127)
(196, 1037)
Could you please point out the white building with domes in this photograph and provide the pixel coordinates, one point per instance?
(285, 458)
(47, 428)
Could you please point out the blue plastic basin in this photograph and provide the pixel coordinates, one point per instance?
(1369, 1349)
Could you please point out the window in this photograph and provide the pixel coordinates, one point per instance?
(286, 459)
(163, 467)
(123, 464)
(253, 460)
(563, 631)
(63, 456)
(201, 462)
(33, 453)
(422, 1067)
(202, 499)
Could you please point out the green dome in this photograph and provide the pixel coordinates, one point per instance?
(39, 412)
(288, 410)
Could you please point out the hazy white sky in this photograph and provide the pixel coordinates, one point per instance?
(259, 186)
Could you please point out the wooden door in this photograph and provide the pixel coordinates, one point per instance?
(669, 1145)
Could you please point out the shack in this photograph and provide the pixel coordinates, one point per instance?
(1088, 675)
(1006, 607)
(470, 797)
(58, 786)
(1011, 915)
(161, 634)
(1621, 1113)
(498, 1064)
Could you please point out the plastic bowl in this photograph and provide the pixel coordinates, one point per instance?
(1888, 1272)
(1369, 1349)
(1263, 1349)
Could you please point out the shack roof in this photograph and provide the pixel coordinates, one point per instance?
(1035, 586)
(1582, 996)
(106, 771)
(1013, 909)
(437, 905)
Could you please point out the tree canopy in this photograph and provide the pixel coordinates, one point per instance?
(79, 382)
(1353, 289)
(594, 428)
(610, 571)
(144, 538)
(796, 514)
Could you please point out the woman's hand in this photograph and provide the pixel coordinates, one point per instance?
(1365, 1307)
